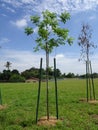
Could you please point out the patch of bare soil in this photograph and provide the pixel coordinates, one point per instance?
(95, 118)
(83, 100)
(52, 121)
(93, 101)
(2, 107)
(90, 101)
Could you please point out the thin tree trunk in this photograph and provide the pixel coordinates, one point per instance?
(56, 92)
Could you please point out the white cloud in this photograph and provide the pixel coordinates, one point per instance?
(10, 9)
(18, 3)
(4, 40)
(20, 60)
(70, 5)
(20, 23)
(4, 15)
(14, 3)
(27, 1)
(58, 56)
(93, 17)
(54, 5)
(23, 60)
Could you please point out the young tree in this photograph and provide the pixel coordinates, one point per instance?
(49, 35)
(84, 41)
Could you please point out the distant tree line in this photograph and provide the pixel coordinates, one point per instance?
(15, 76)
(11, 76)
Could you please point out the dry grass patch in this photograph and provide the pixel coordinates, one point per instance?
(83, 100)
(90, 101)
(93, 101)
(95, 118)
(51, 122)
(2, 107)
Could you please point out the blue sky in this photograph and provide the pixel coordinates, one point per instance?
(17, 48)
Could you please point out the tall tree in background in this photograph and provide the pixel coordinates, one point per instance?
(84, 41)
(49, 35)
(8, 65)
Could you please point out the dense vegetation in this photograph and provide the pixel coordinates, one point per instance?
(15, 76)
(20, 102)
(11, 76)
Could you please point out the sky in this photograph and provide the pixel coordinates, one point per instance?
(17, 48)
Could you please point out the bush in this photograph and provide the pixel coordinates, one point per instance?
(17, 78)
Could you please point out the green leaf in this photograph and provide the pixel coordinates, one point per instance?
(36, 49)
(28, 30)
(50, 18)
(43, 33)
(35, 19)
(70, 40)
(50, 30)
(62, 32)
(64, 17)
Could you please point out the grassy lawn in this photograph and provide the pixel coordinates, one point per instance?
(20, 101)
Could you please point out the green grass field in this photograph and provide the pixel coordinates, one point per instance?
(20, 100)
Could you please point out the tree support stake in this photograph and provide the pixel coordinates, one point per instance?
(89, 82)
(47, 91)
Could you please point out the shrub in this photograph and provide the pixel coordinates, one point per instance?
(17, 78)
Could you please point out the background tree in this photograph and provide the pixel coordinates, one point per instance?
(16, 78)
(84, 41)
(6, 75)
(8, 65)
(15, 72)
(70, 75)
(50, 34)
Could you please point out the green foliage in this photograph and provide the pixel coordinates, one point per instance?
(11, 76)
(34, 72)
(28, 30)
(15, 71)
(61, 33)
(70, 40)
(16, 78)
(49, 30)
(35, 19)
(64, 17)
(70, 75)
(14, 75)
(6, 75)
